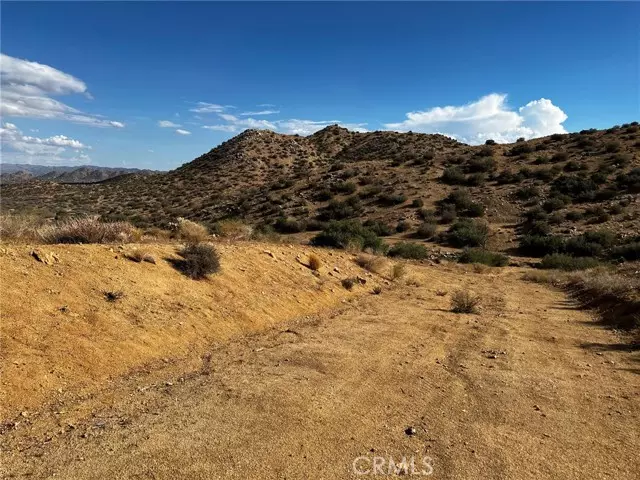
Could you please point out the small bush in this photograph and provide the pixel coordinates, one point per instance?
(527, 193)
(561, 261)
(87, 230)
(403, 226)
(468, 233)
(453, 176)
(427, 215)
(348, 283)
(426, 230)
(485, 257)
(464, 302)
(314, 262)
(289, 225)
(541, 245)
(113, 296)
(377, 290)
(371, 263)
(417, 203)
(198, 260)
(399, 270)
(191, 232)
(140, 255)
(628, 251)
(414, 251)
(379, 228)
(349, 234)
(234, 229)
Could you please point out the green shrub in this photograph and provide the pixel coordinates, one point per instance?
(289, 225)
(417, 203)
(628, 251)
(390, 199)
(403, 226)
(541, 245)
(527, 193)
(579, 187)
(426, 230)
(345, 187)
(464, 302)
(379, 228)
(485, 257)
(560, 261)
(339, 210)
(349, 234)
(427, 215)
(453, 176)
(410, 250)
(468, 233)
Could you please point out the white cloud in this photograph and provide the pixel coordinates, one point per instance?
(20, 148)
(168, 124)
(221, 128)
(265, 105)
(204, 107)
(183, 132)
(291, 126)
(488, 117)
(261, 112)
(27, 88)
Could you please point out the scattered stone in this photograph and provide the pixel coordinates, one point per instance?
(410, 431)
(48, 258)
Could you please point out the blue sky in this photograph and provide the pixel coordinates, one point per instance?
(109, 73)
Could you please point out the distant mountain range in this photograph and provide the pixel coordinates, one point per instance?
(19, 173)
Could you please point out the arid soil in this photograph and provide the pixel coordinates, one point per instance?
(530, 387)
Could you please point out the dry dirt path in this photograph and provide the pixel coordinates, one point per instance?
(529, 388)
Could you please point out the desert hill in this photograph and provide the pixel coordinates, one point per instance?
(19, 173)
(297, 183)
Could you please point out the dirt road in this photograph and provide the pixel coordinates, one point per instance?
(530, 388)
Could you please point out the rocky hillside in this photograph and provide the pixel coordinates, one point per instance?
(18, 173)
(398, 179)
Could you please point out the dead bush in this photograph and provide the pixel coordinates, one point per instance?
(399, 270)
(463, 301)
(18, 227)
(88, 230)
(192, 232)
(314, 262)
(233, 229)
(371, 263)
(198, 260)
(113, 295)
(140, 255)
(348, 283)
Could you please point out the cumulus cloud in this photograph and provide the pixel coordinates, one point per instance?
(290, 126)
(488, 117)
(28, 88)
(20, 148)
(260, 112)
(183, 132)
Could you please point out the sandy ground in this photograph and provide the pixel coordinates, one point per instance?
(529, 388)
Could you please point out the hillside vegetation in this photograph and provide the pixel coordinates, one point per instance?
(403, 183)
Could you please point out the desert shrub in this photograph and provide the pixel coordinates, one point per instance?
(468, 233)
(579, 187)
(314, 225)
(402, 226)
(555, 203)
(560, 261)
(520, 149)
(629, 181)
(140, 255)
(527, 193)
(574, 215)
(476, 179)
(370, 191)
(426, 230)
(474, 210)
(389, 199)
(339, 210)
(629, 251)
(324, 195)
(314, 262)
(379, 227)
(417, 203)
(289, 225)
(191, 232)
(233, 228)
(460, 198)
(427, 215)
(371, 263)
(481, 165)
(198, 260)
(604, 238)
(485, 257)
(541, 245)
(414, 251)
(612, 146)
(555, 219)
(348, 283)
(345, 187)
(537, 227)
(377, 290)
(463, 301)
(490, 142)
(88, 230)
(560, 157)
(18, 227)
(349, 234)
(113, 295)
(453, 176)
(448, 214)
(399, 270)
